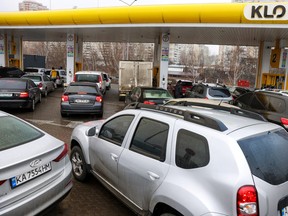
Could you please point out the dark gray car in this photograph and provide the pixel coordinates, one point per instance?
(82, 98)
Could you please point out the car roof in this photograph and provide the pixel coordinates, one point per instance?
(14, 78)
(89, 72)
(32, 74)
(225, 120)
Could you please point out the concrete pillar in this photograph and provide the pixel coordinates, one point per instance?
(3, 50)
(263, 61)
(164, 60)
(70, 57)
(78, 54)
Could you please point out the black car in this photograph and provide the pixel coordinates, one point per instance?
(11, 72)
(237, 91)
(148, 95)
(272, 105)
(19, 93)
(82, 98)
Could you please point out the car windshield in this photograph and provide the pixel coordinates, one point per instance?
(87, 78)
(34, 78)
(187, 84)
(219, 92)
(12, 84)
(63, 73)
(82, 89)
(266, 155)
(14, 132)
(156, 93)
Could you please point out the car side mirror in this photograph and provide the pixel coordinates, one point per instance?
(91, 132)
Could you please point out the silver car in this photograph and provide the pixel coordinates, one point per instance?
(44, 83)
(35, 170)
(178, 160)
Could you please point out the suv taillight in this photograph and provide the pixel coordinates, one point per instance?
(247, 201)
(64, 98)
(40, 85)
(284, 121)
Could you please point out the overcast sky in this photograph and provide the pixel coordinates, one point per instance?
(12, 5)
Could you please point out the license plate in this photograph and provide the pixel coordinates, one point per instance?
(81, 101)
(25, 177)
(284, 211)
(5, 94)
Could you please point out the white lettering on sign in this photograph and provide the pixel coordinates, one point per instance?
(266, 12)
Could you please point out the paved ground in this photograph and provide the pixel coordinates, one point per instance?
(89, 198)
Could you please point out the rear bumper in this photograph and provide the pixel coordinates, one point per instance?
(15, 103)
(81, 109)
(37, 201)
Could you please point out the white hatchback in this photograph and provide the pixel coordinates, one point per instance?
(92, 76)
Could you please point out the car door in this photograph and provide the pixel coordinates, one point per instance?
(34, 90)
(143, 163)
(48, 83)
(105, 149)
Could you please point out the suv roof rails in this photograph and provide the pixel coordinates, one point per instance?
(235, 111)
(199, 118)
(187, 115)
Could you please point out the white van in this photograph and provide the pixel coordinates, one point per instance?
(34, 70)
(92, 76)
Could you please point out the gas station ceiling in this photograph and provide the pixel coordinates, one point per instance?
(218, 24)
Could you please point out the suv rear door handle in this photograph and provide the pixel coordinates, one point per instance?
(114, 157)
(152, 175)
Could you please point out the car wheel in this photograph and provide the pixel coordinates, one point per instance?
(79, 166)
(32, 107)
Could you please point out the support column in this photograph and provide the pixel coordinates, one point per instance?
(78, 54)
(14, 51)
(263, 62)
(164, 60)
(3, 50)
(70, 57)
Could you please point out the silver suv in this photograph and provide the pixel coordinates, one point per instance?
(187, 160)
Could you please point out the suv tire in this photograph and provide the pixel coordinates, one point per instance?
(79, 166)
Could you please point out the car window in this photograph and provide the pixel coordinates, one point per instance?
(115, 130)
(266, 155)
(31, 84)
(15, 84)
(34, 78)
(276, 105)
(87, 78)
(31, 70)
(156, 93)
(150, 139)
(198, 89)
(244, 100)
(191, 150)
(259, 102)
(14, 132)
(219, 92)
(46, 78)
(83, 89)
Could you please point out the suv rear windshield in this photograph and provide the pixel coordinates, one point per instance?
(219, 92)
(14, 132)
(87, 78)
(266, 155)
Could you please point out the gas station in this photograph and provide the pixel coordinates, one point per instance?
(245, 24)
